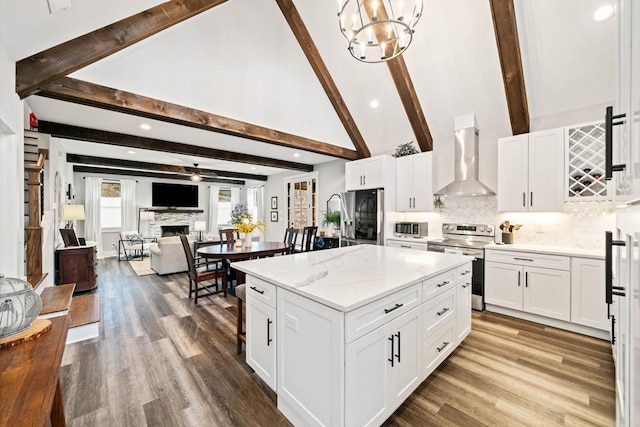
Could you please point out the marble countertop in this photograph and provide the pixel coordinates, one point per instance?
(350, 277)
(551, 250)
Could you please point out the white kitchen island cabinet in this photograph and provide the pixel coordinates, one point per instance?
(350, 331)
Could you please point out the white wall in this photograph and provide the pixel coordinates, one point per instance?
(11, 171)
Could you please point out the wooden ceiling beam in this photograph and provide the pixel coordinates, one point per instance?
(94, 95)
(310, 50)
(49, 65)
(506, 31)
(123, 140)
(404, 85)
(157, 167)
(147, 174)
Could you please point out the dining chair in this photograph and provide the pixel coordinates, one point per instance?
(203, 271)
(290, 237)
(241, 293)
(228, 236)
(308, 238)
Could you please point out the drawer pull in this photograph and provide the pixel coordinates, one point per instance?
(257, 290)
(444, 310)
(389, 310)
(442, 284)
(466, 285)
(444, 345)
(464, 273)
(403, 246)
(523, 259)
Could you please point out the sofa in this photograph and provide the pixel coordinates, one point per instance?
(167, 255)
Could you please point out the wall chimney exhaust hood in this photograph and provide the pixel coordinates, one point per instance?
(466, 182)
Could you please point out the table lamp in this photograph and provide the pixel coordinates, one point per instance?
(73, 213)
(146, 216)
(200, 226)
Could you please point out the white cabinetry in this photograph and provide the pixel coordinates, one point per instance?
(261, 330)
(367, 173)
(588, 293)
(463, 304)
(414, 183)
(383, 368)
(531, 171)
(533, 283)
(408, 243)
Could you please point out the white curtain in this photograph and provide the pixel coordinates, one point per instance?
(212, 220)
(129, 211)
(260, 203)
(235, 196)
(92, 230)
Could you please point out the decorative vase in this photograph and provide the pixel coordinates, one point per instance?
(247, 240)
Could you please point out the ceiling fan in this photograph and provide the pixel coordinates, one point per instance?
(197, 175)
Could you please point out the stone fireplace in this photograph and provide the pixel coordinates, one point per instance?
(174, 230)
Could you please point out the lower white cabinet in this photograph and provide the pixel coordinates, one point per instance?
(463, 308)
(519, 284)
(382, 369)
(588, 293)
(261, 340)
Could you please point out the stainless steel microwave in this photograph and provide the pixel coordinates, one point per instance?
(411, 229)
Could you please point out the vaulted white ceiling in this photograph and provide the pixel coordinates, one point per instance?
(241, 60)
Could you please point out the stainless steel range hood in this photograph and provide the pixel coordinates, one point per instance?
(466, 182)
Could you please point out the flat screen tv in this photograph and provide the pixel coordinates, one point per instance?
(174, 195)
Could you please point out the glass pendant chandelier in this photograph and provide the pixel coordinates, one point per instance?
(378, 30)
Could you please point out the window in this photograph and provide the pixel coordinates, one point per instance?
(224, 206)
(254, 202)
(110, 205)
(302, 200)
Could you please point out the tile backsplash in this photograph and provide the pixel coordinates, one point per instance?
(581, 225)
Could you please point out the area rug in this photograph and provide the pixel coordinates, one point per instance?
(141, 268)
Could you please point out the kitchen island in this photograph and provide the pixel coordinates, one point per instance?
(345, 335)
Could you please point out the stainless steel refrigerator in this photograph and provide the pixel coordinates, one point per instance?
(363, 217)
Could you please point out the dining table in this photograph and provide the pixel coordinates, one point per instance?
(233, 253)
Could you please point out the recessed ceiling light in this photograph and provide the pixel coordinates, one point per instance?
(374, 103)
(131, 152)
(603, 13)
(145, 126)
(296, 154)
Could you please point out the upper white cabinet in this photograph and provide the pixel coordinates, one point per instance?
(414, 183)
(368, 173)
(531, 171)
(585, 163)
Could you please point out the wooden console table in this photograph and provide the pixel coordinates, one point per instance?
(30, 392)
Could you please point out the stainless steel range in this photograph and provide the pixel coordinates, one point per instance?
(467, 239)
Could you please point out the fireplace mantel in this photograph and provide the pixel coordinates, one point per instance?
(164, 210)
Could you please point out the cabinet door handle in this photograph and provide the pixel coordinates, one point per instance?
(269, 322)
(526, 279)
(409, 201)
(389, 310)
(444, 345)
(613, 330)
(443, 311)
(523, 259)
(531, 199)
(464, 273)
(608, 264)
(392, 339)
(609, 123)
(364, 179)
(442, 284)
(398, 355)
(518, 278)
(257, 290)
(524, 197)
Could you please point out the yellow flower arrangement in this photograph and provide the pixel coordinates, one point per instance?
(246, 224)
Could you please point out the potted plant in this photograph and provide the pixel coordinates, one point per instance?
(406, 149)
(242, 221)
(332, 217)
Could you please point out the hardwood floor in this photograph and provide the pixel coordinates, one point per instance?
(162, 361)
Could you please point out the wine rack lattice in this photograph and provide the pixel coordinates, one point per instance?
(586, 162)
